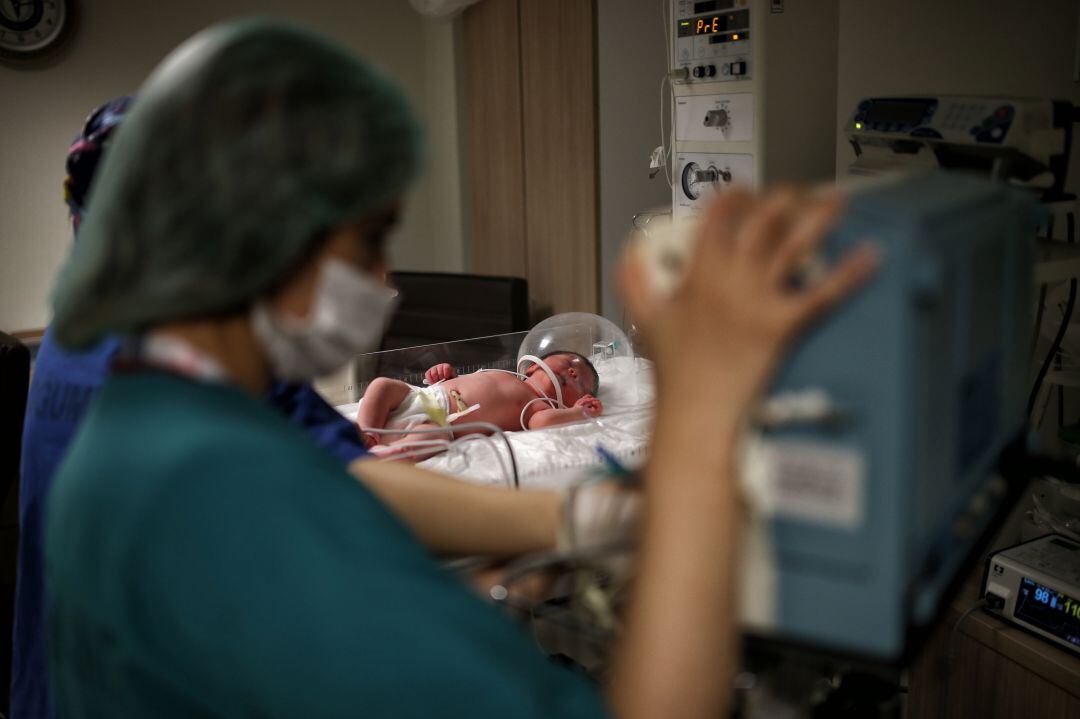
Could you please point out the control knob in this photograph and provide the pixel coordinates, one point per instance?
(716, 118)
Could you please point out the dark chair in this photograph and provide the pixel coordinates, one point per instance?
(438, 308)
(443, 307)
(14, 384)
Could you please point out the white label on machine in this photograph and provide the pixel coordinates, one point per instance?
(814, 482)
(715, 118)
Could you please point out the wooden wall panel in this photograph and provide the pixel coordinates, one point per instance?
(530, 94)
(491, 62)
(558, 68)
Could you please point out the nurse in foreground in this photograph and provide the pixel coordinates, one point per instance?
(207, 558)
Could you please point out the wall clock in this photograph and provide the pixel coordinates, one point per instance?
(32, 28)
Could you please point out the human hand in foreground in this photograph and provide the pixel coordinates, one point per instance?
(440, 372)
(725, 328)
(591, 406)
(716, 340)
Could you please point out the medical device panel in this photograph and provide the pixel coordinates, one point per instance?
(715, 118)
(873, 467)
(923, 371)
(964, 120)
(712, 40)
(1037, 586)
(749, 78)
(701, 175)
(1018, 138)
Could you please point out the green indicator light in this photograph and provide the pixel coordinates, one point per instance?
(858, 125)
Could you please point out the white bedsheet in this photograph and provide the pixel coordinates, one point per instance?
(554, 456)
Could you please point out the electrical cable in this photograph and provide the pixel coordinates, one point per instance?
(1060, 394)
(521, 417)
(520, 375)
(488, 426)
(552, 403)
(666, 146)
(1040, 308)
(562, 610)
(950, 655)
(489, 442)
(1055, 346)
(1038, 321)
(664, 163)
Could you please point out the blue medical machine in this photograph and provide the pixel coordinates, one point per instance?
(879, 497)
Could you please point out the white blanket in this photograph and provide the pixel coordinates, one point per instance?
(553, 456)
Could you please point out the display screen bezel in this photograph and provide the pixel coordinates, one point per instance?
(714, 23)
(707, 6)
(1025, 604)
(902, 112)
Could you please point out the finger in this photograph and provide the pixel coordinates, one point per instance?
(766, 228)
(808, 232)
(856, 267)
(715, 239)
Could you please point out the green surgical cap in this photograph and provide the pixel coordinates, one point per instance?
(243, 148)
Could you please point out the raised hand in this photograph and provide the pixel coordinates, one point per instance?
(737, 309)
(440, 372)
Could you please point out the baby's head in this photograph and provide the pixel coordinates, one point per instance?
(577, 376)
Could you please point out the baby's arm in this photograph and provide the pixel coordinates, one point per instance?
(585, 408)
(381, 398)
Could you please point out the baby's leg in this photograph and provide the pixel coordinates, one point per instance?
(381, 398)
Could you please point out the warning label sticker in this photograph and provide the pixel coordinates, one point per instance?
(815, 482)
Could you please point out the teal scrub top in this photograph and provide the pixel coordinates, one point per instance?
(207, 559)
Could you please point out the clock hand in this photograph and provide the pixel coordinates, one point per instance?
(16, 8)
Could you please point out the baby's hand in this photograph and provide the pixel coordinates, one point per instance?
(590, 405)
(440, 372)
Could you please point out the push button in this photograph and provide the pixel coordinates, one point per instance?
(699, 71)
(738, 68)
(710, 71)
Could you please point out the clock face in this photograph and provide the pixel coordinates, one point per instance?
(30, 26)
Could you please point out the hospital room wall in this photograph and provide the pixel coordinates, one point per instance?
(631, 61)
(118, 42)
(970, 47)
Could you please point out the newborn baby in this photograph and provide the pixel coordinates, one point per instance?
(506, 399)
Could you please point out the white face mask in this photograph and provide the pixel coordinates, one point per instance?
(348, 317)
